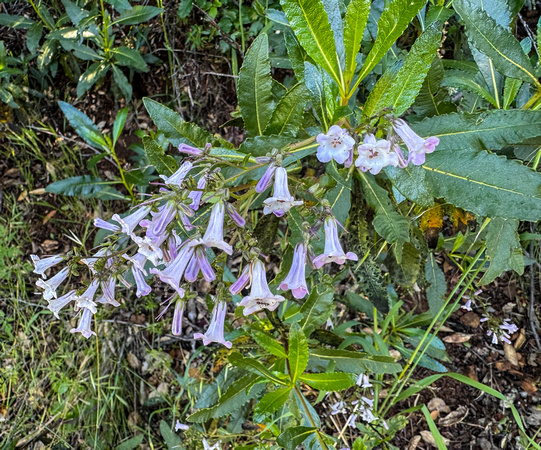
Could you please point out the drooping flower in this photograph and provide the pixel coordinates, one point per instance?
(241, 282)
(178, 177)
(215, 331)
(150, 248)
(363, 381)
(139, 273)
(173, 272)
(336, 144)
(417, 146)
(333, 250)
(196, 195)
(86, 299)
(108, 292)
(266, 180)
(51, 285)
(199, 262)
(41, 265)
(181, 426)
(214, 235)
(235, 216)
(296, 278)
(156, 227)
(260, 295)
(374, 155)
(57, 304)
(176, 327)
(207, 446)
(509, 327)
(84, 324)
(130, 222)
(188, 149)
(281, 201)
(467, 306)
(100, 223)
(338, 407)
(91, 261)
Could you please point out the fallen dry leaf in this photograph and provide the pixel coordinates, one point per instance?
(454, 417)
(22, 196)
(510, 353)
(521, 339)
(528, 386)
(49, 245)
(438, 404)
(457, 338)
(48, 217)
(133, 361)
(428, 438)
(471, 373)
(39, 191)
(414, 441)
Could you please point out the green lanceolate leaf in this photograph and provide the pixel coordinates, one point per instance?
(314, 83)
(272, 401)
(172, 440)
(16, 22)
(269, 343)
(510, 91)
(297, 55)
(435, 293)
(175, 129)
(389, 224)
(410, 182)
(130, 57)
(122, 82)
(287, 117)
(86, 186)
(298, 352)
(91, 76)
(356, 362)
(131, 443)
(465, 81)
(84, 126)
(354, 25)
(392, 23)
(495, 42)
(502, 240)
(336, 381)
(485, 184)
(164, 164)
(491, 130)
(138, 14)
(410, 77)
(377, 93)
(254, 89)
(317, 308)
(311, 25)
(340, 196)
(492, 77)
(120, 121)
(254, 366)
(294, 436)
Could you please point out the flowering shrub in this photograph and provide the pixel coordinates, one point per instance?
(320, 188)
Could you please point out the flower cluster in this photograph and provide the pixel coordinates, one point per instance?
(178, 236)
(375, 154)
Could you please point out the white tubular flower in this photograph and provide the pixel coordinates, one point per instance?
(51, 285)
(214, 236)
(56, 305)
(215, 331)
(42, 265)
(86, 299)
(178, 177)
(84, 324)
(281, 201)
(336, 144)
(333, 250)
(260, 295)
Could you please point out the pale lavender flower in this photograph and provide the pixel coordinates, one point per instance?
(51, 285)
(150, 248)
(509, 327)
(366, 414)
(281, 201)
(178, 177)
(196, 195)
(296, 279)
(266, 180)
(494, 336)
(207, 446)
(173, 244)
(42, 265)
(333, 250)
(56, 305)
(348, 162)
(176, 327)
(352, 421)
(181, 426)
(100, 223)
(363, 381)
(214, 236)
(241, 282)
(374, 155)
(108, 292)
(338, 407)
(467, 306)
(417, 146)
(235, 216)
(160, 220)
(130, 222)
(260, 295)
(139, 273)
(86, 299)
(188, 149)
(215, 331)
(199, 262)
(84, 324)
(174, 272)
(92, 260)
(336, 144)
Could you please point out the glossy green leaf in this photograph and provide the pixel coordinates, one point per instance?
(84, 126)
(272, 401)
(496, 42)
(288, 115)
(354, 25)
(91, 76)
(16, 22)
(120, 121)
(384, 84)
(122, 82)
(164, 164)
(491, 130)
(335, 381)
(297, 55)
(317, 308)
(311, 25)
(467, 82)
(172, 441)
(410, 182)
(510, 91)
(392, 23)
(294, 436)
(130, 57)
(138, 14)
(255, 87)
(485, 184)
(356, 362)
(435, 292)
(86, 186)
(502, 240)
(493, 79)
(253, 365)
(298, 351)
(407, 83)
(388, 223)
(339, 196)
(314, 83)
(269, 343)
(75, 12)
(33, 36)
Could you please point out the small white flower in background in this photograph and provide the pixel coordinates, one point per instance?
(181, 426)
(363, 381)
(260, 296)
(374, 155)
(336, 144)
(509, 327)
(338, 407)
(211, 447)
(215, 331)
(467, 306)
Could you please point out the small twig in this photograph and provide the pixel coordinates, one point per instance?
(529, 32)
(533, 319)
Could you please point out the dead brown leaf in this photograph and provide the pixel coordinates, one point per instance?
(438, 404)
(49, 245)
(457, 338)
(428, 438)
(510, 353)
(454, 417)
(48, 217)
